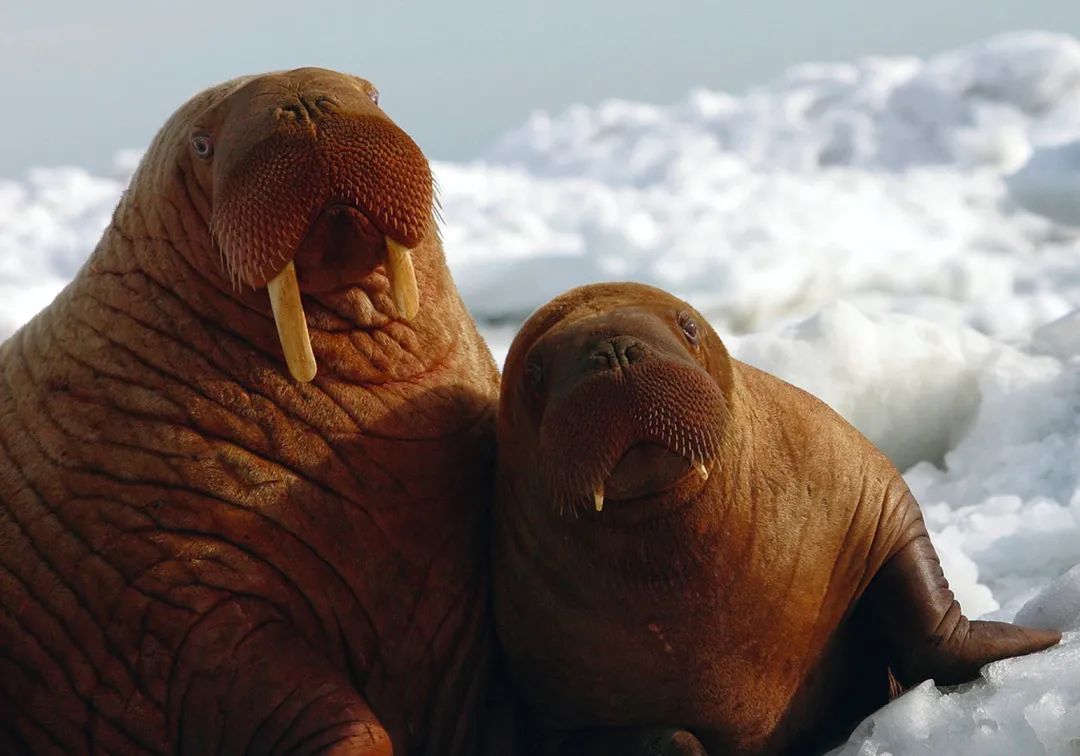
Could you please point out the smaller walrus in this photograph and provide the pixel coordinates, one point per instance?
(691, 555)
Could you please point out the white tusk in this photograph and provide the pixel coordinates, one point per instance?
(402, 276)
(598, 497)
(291, 325)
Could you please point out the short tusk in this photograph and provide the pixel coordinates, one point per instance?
(402, 276)
(702, 470)
(598, 499)
(291, 325)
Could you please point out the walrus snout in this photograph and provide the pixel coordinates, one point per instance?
(274, 182)
(314, 186)
(623, 403)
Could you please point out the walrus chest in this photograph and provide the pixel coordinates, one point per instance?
(721, 642)
(683, 654)
(157, 523)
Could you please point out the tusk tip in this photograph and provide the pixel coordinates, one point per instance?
(407, 309)
(304, 373)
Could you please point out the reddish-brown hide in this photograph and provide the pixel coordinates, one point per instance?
(759, 609)
(198, 553)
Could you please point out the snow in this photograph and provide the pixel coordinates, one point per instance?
(895, 235)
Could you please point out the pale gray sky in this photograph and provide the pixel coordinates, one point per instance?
(84, 79)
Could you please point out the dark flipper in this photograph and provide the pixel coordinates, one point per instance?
(928, 635)
(246, 683)
(626, 741)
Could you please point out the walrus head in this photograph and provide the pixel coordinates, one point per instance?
(613, 399)
(299, 183)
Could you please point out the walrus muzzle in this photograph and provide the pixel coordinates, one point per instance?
(627, 416)
(277, 192)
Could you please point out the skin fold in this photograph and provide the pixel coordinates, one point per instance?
(199, 553)
(692, 556)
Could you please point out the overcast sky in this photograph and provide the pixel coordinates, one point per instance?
(84, 79)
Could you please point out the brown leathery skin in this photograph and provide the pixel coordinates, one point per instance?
(763, 609)
(198, 553)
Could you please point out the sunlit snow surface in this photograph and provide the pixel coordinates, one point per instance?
(856, 228)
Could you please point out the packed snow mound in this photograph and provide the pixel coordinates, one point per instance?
(1057, 607)
(751, 248)
(1009, 496)
(1028, 706)
(983, 105)
(910, 385)
(848, 227)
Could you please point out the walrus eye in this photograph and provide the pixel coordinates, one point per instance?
(374, 95)
(689, 328)
(534, 374)
(203, 146)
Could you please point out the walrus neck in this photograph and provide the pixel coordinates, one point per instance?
(599, 559)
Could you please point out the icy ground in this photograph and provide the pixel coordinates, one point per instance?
(860, 229)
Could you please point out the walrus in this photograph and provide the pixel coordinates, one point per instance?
(246, 455)
(693, 556)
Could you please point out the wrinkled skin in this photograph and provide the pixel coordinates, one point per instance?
(198, 553)
(758, 577)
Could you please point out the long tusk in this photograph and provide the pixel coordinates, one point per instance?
(291, 325)
(402, 279)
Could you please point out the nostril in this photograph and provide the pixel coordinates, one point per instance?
(293, 112)
(621, 351)
(603, 356)
(627, 349)
(305, 108)
(633, 351)
(323, 104)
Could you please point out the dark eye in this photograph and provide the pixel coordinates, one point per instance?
(374, 95)
(203, 146)
(534, 374)
(689, 327)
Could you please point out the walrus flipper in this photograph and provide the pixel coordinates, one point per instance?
(248, 683)
(625, 741)
(928, 635)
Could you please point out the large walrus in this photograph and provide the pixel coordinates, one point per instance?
(693, 556)
(200, 552)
